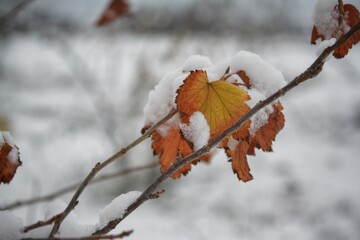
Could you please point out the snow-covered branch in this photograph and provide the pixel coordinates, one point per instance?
(309, 73)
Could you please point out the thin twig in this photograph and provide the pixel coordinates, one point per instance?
(72, 187)
(101, 237)
(14, 11)
(100, 166)
(42, 223)
(309, 73)
(341, 19)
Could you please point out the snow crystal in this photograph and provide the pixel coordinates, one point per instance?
(323, 45)
(198, 130)
(10, 226)
(263, 76)
(13, 155)
(117, 207)
(325, 17)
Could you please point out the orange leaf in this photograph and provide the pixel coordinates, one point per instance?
(246, 146)
(115, 9)
(239, 162)
(222, 103)
(8, 161)
(352, 18)
(171, 147)
(262, 139)
(315, 35)
(238, 159)
(242, 74)
(266, 134)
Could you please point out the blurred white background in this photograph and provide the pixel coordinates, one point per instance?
(72, 94)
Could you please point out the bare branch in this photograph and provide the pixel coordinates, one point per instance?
(72, 187)
(100, 166)
(157, 194)
(13, 12)
(102, 237)
(42, 223)
(309, 73)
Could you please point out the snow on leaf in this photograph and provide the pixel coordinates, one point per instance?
(172, 147)
(258, 132)
(221, 102)
(115, 9)
(9, 158)
(209, 100)
(162, 98)
(256, 73)
(326, 25)
(245, 144)
(353, 18)
(326, 20)
(197, 132)
(168, 142)
(266, 134)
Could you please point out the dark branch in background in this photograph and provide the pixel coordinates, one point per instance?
(13, 12)
(72, 187)
(100, 166)
(309, 73)
(85, 77)
(116, 236)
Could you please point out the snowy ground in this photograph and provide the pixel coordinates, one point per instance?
(72, 102)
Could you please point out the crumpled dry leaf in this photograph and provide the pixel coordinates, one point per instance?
(114, 10)
(351, 18)
(9, 158)
(172, 147)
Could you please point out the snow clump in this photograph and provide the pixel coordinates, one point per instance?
(198, 130)
(325, 18)
(117, 207)
(264, 80)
